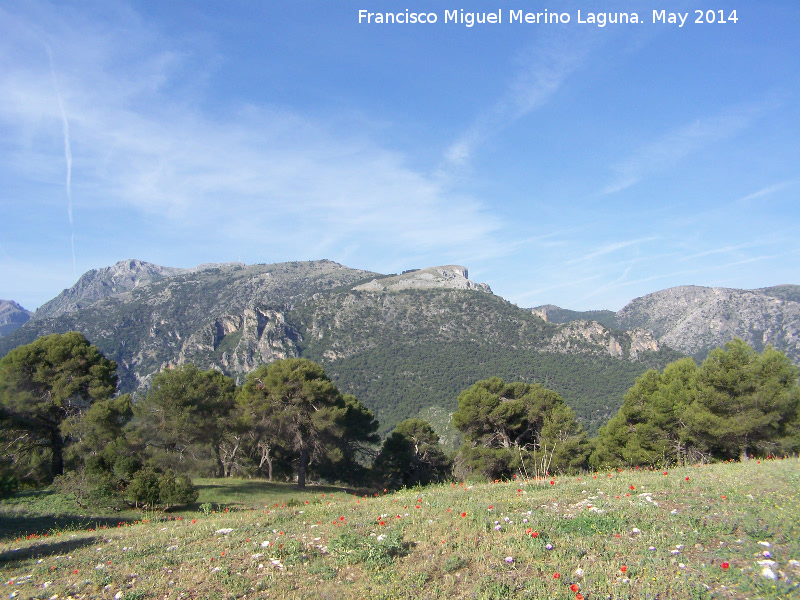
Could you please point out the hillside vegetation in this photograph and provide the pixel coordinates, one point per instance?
(374, 341)
(727, 531)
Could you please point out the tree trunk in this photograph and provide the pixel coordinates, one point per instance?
(301, 471)
(57, 446)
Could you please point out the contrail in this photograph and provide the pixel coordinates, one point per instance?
(67, 157)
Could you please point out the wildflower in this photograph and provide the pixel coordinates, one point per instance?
(497, 528)
(687, 479)
(623, 568)
(725, 565)
(509, 559)
(633, 487)
(549, 546)
(579, 596)
(556, 575)
(552, 482)
(575, 587)
(463, 514)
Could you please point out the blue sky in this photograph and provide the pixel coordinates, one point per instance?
(562, 163)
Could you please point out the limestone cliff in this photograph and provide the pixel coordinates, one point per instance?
(445, 277)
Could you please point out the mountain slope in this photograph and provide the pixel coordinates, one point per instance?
(694, 320)
(401, 343)
(12, 316)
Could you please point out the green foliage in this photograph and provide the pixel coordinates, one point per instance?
(748, 403)
(295, 403)
(651, 427)
(42, 385)
(375, 552)
(186, 415)
(505, 423)
(738, 402)
(150, 489)
(90, 489)
(411, 456)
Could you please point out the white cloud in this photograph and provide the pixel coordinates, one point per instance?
(262, 173)
(546, 66)
(666, 152)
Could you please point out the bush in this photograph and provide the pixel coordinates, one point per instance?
(176, 490)
(144, 489)
(151, 489)
(90, 489)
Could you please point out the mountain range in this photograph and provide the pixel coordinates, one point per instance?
(405, 344)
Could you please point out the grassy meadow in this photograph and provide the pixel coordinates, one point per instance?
(710, 531)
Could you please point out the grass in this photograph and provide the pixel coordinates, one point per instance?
(631, 534)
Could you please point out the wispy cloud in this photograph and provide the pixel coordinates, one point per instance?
(547, 66)
(610, 248)
(67, 156)
(259, 175)
(667, 151)
(765, 192)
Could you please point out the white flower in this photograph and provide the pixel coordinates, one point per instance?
(768, 573)
(224, 531)
(509, 559)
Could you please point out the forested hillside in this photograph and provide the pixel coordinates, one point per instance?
(402, 344)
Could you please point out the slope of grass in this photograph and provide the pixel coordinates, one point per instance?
(700, 532)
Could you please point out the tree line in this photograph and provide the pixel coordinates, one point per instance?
(61, 420)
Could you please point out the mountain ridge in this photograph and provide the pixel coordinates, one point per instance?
(357, 323)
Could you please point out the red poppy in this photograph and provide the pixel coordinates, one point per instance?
(574, 587)
(552, 482)
(463, 514)
(556, 575)
(578, 596)
(535, 534)
(725, 565)
(623, 568)
(633, 487)
(687, 479)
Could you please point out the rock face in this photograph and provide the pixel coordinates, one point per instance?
(240, 343)
(453, 277)
(12, 316)
(584, 337)
(98, 284)
(695, 319)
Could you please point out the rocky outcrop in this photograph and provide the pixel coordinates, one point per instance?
(694, 320)
(240, 343)
(12, 316)
(98, 284)
(446, 277)
(590, 337)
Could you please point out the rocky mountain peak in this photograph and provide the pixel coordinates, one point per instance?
(12, 316)
(98, 284)
(443, 277)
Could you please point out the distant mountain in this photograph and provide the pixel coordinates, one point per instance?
(12, 316)
(404, 344)
(556, 314)
(97, 284)
(694, 320)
